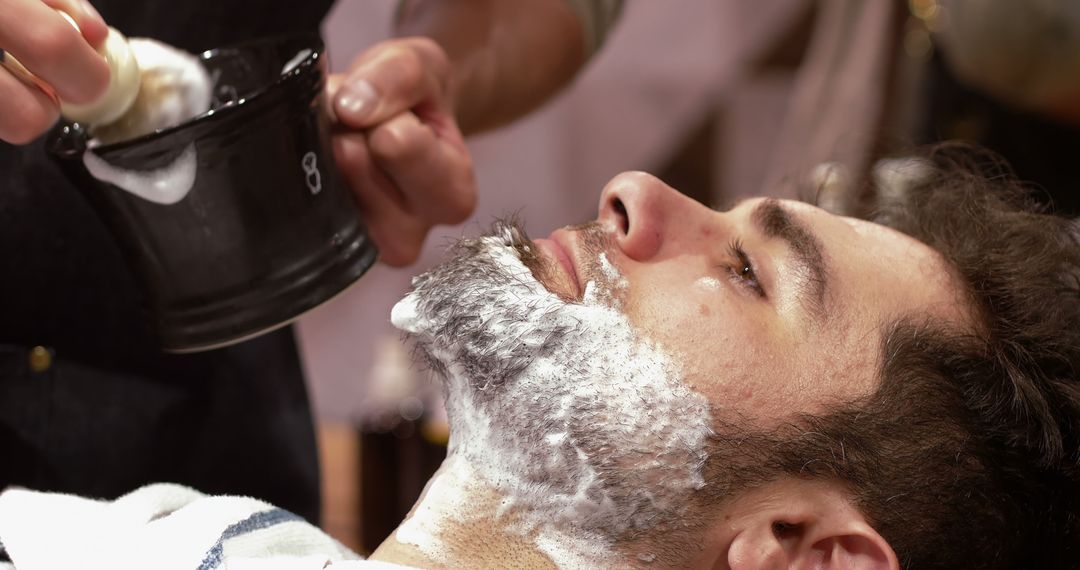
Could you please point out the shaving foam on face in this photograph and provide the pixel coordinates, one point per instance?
(708, 283)
(613, 286)
(584, 428)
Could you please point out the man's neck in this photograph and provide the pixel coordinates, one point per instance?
(467, 548)
(457, 523)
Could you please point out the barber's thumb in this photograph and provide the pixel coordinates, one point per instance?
(88, 20)
(388, 80)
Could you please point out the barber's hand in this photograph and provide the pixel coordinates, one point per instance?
(398, 145)
(63, 63)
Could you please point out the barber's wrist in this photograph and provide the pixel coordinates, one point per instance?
(506, 57)
(472, 91)
(461, 30)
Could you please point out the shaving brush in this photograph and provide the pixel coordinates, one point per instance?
(118, 96)
(152, 86)
(123, 84)
(174, 87)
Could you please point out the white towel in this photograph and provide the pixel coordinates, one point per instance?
(162, 526)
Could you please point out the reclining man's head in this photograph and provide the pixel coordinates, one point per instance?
(771, 386)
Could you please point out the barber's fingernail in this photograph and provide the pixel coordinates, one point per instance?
(357, 99)
(90, 10)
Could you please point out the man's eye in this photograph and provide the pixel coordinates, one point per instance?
(741, 269)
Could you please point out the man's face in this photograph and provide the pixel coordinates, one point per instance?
(590, 375)
(773, 307)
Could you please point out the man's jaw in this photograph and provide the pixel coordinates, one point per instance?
(543, 397)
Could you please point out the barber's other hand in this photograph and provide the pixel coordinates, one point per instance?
(63, 61)
(398, 145)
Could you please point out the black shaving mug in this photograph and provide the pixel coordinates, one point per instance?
(267, 229)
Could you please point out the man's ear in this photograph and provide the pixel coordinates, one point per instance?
(807, 525)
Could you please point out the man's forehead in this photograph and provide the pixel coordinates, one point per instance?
(920, 275)
(875, 231)
(928, 265)
(929, 262)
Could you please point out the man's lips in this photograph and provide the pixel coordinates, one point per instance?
(557, 248)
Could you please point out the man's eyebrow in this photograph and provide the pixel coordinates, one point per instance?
(812, 281)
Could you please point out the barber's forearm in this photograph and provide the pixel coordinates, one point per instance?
(507, 56)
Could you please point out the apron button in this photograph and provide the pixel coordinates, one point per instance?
(40, 359)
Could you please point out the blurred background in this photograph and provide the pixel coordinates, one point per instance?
(722, 100)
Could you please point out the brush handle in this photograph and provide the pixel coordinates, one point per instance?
(123, 85)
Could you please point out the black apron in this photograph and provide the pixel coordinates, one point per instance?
(96, 409)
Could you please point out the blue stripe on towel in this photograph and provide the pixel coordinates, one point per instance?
(257, 521)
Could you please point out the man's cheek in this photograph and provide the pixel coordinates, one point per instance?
(663, 314)
(689, 320)
(729, 374)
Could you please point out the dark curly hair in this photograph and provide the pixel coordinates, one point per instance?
(986, 473)
(968, 453)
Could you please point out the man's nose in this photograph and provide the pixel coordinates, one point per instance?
(638, 209)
